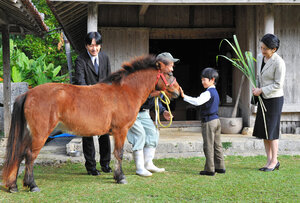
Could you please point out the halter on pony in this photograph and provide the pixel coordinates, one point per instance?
(161, 75)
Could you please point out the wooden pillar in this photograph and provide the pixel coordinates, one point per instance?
(6, 80)
(92, 23)
(69, 57)
(269, 19)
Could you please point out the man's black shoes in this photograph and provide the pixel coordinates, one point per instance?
(106, 169)
(94, 172)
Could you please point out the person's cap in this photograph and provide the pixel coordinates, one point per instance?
(166, 56)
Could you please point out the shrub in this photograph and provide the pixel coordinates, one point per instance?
(34, 72)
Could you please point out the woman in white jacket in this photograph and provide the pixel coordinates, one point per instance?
(270, 79)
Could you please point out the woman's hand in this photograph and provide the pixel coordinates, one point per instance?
(181, 92)
(256, 91)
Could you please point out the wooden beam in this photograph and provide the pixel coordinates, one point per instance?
(72, 9)
(6, 80)
(142, 12)
(92, 21)
(269, 19)
(188, 2)
(143, 9)
(191, 33)
(3, 17)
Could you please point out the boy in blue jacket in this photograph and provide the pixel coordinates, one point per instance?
(211, 126)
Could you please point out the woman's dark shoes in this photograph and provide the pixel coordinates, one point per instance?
(106, 169)
(94, 172)
(262, 169)
(272, 169)
(220, 170)
(207, 173)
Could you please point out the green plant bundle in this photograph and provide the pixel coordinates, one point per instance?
(246, 65)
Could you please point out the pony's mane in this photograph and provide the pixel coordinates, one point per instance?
(138, 63)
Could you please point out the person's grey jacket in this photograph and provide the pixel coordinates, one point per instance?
(85, 72)
(271, 78)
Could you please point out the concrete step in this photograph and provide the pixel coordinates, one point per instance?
(173, 143)
(188, 142)
(53, 151)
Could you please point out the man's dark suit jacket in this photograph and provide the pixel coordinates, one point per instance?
(85, 75)
(85, 72)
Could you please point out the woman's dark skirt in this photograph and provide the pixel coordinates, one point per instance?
(272, 115)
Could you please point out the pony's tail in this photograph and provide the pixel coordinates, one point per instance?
(17, 143)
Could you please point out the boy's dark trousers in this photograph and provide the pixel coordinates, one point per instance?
(212, 146)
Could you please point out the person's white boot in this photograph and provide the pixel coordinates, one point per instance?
(148, 156)
(138, 157)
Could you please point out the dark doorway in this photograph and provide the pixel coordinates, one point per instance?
(195, 55)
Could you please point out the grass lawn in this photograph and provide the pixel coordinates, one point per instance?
(181, 183)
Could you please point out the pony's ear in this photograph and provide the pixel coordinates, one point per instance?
(160, 65)
(163, 67)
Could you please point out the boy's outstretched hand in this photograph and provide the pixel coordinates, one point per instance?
(181, 92)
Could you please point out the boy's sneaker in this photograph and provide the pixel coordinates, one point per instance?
(207, 173)
(220, 170)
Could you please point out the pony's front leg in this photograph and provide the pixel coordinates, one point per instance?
(118, 152)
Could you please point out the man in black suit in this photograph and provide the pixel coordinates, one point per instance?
(91, 66)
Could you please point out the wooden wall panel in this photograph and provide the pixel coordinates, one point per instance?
(167, 16)
(287, 28)
(122, 44)
(214, 16)
(118, 16)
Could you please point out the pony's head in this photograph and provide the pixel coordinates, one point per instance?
(165, 79)
(167, 82)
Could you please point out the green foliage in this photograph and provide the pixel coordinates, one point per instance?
(39, 60)
(50, 45)
(226, 145)
(246, 66)
(34, 72)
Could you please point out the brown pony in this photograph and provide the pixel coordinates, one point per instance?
(107, 107)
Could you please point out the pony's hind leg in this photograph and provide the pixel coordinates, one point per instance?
(28, 180)
(11, 181)
(30, 156)
(118, 152)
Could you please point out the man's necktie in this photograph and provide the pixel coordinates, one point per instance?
(96, 66)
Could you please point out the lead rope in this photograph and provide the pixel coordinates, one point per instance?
(167, 102)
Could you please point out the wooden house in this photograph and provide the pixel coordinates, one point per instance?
(192, 30)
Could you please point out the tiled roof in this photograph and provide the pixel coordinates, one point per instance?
(22, 17)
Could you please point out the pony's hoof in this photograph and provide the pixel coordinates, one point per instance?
(123, 181)
(13, 190)
(35, 189)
